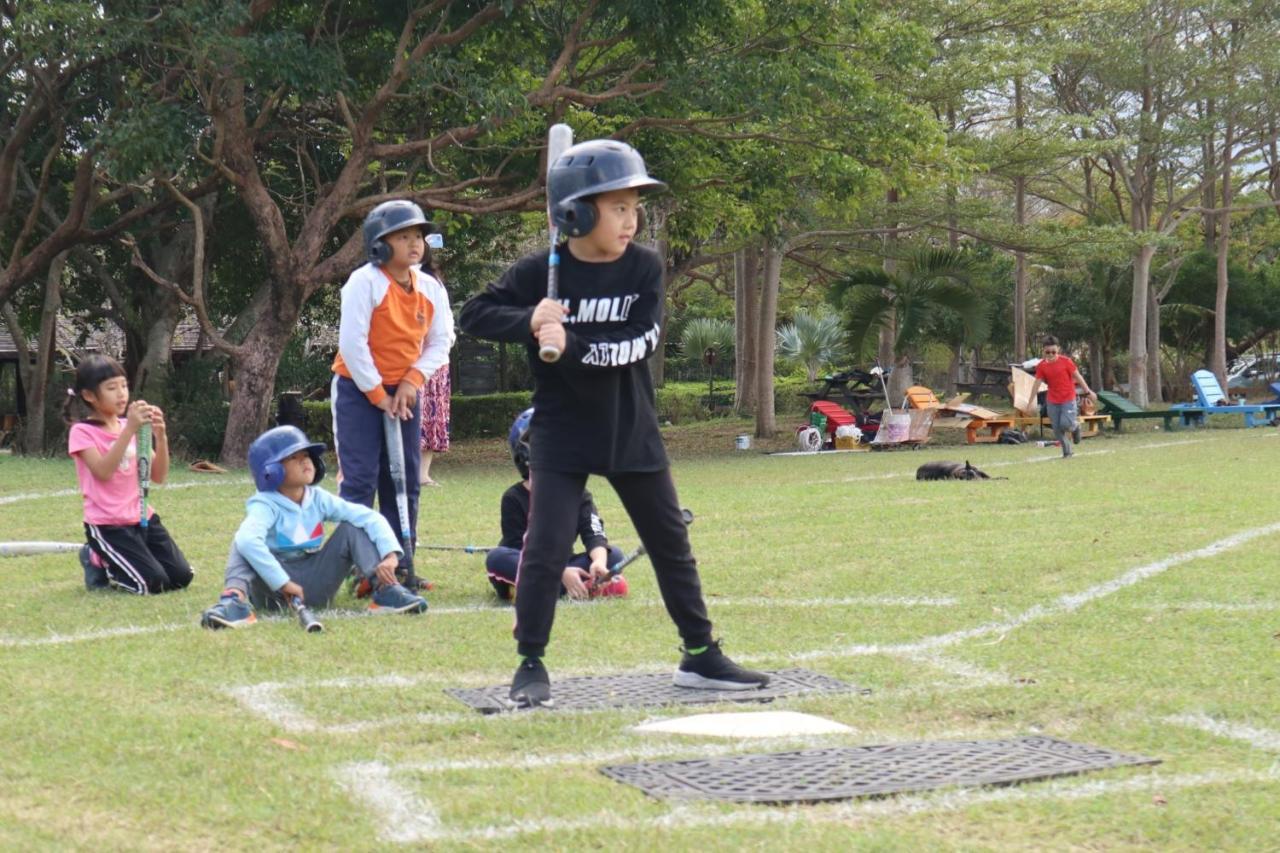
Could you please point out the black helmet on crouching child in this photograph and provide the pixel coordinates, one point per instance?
(388, 217)
(589, 169)
(518, 441)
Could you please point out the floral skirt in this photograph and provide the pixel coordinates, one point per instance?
(435, 412)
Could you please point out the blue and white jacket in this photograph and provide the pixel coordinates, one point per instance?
(277, 529)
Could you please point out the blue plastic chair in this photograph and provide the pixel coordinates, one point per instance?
(1210, 398)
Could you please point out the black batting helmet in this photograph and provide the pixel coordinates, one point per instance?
(388, 217)
(589, 169)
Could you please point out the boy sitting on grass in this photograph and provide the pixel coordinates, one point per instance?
(280, 552)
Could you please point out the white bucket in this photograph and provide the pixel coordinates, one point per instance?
(742, 442)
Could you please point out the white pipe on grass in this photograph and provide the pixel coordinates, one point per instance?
(26, 549)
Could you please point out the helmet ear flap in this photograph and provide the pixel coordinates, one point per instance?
(379, 251)
(575, 218)
(317, 462)
(272, 477)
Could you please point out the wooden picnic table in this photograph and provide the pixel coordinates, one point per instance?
(992, 380)
(853, 388)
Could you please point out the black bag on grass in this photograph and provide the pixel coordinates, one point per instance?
(1013, 436)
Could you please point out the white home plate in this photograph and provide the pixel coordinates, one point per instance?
(746, 724)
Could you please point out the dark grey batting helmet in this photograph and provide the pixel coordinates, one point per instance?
(388, 217)
(589, 169)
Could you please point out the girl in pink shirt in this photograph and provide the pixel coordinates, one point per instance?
(121, 552)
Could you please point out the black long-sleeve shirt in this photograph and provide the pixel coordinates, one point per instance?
(594, 409)
(515, 520)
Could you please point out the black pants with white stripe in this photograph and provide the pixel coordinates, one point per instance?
(650, 500)
(144, 561)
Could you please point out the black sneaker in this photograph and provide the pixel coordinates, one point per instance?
(531, 686)
(95, 576)
(712, 670)
(1075, 434)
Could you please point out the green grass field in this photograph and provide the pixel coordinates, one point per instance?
(1126, 598)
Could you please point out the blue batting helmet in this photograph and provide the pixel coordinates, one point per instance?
(388, 217)
(589, 169)
(269, 450)
(518, 441)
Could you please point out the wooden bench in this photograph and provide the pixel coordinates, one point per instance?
(1090, 425)
(994, 428)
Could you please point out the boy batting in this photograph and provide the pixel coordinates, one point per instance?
(594, 407)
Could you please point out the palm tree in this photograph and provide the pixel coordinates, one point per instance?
(813, 339)
(909, 301)
(705, 336)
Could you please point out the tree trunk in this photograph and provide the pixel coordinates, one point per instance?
(953, 219)
(1019, 257)
(150, 340)
(658, 363)
(1209, 193)
(34, 372)
(902, 377)
(889, 332)
(1138, 325)
(746, 309)
(254, 371)
(1155, 381)
(766, 341)
(953, 370)
(1096, 373)
(1218, 355)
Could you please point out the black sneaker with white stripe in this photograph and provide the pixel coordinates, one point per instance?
(713, 670)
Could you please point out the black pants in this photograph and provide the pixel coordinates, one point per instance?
(503, 564)
(650, 500)
(144, 561)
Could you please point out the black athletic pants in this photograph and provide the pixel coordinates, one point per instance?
(144, 561)
(650, 500)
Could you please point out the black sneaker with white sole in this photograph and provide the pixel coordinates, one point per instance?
(531, 686)
(713, 670)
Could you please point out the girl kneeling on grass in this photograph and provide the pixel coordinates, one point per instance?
(121, 551)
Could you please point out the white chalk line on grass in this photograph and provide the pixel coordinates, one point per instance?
(326, 615)
(1211, 606)
(974, 674)
(1063, 604)
(62, 493)
(402, 817)
(1267, 740)
(389, 798)
(1007, 462)
(85, 636)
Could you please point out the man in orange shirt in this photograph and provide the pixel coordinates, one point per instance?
(396, 330)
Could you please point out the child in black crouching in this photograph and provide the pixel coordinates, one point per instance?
(586, 575)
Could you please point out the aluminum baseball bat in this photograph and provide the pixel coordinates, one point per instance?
(395, 461)
(559, 140)
(617, 568)
(306, 618)
(466, 549)
(143, 448)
